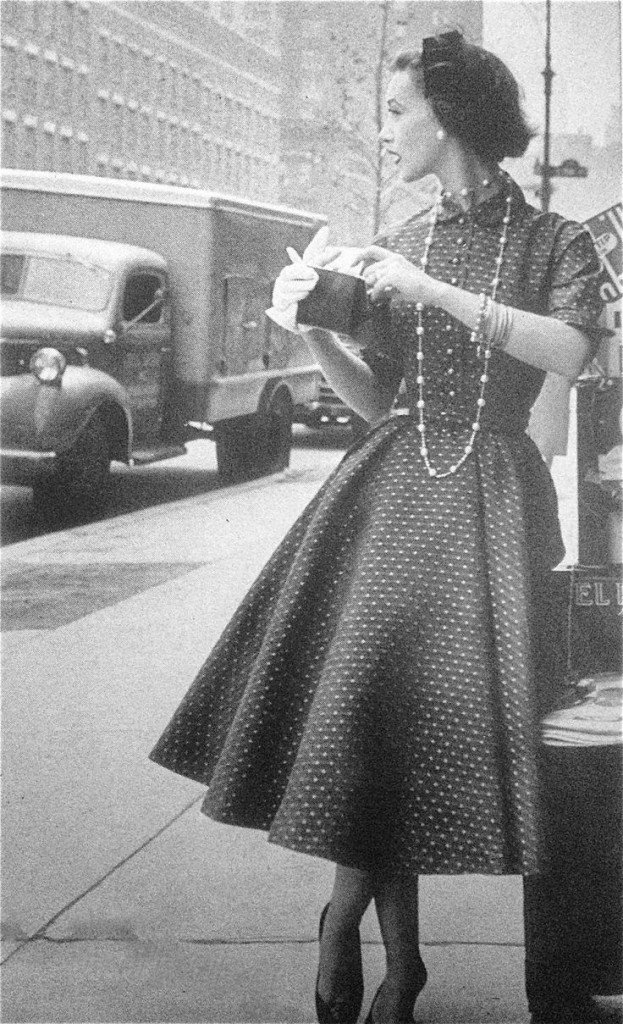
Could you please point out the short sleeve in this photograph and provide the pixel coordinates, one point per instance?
(574, 282)
(379, 345)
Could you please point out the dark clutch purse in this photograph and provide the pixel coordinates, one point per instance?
(339, 302)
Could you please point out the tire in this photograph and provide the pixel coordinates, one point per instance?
(274, 437)
(311, 420)
(252, 446)
(81, 479)
(234, 449)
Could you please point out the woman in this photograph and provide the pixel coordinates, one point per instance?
(373, 701)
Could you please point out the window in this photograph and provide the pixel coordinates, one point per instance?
(55, 281)
(12, 267)
(141, 292)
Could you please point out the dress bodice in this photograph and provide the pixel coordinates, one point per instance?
(550, 267)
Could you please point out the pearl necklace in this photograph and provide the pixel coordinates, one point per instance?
(466, 193)
(475, 339)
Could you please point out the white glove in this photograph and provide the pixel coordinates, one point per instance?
(296, 281)
(347, 261)
(316, 251)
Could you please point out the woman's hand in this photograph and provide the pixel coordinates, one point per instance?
(297, 280)
(387, 272)
(294, 284)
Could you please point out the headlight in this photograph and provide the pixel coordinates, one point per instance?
(48, 365)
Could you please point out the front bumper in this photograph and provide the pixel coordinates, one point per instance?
(314, 414)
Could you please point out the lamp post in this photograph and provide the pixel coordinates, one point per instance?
(570, 167)
(378, 113)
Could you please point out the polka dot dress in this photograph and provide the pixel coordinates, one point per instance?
(374, 699)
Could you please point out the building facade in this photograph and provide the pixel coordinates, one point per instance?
(273, 101)
(179, 92)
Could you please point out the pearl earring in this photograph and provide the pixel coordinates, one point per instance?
(440, 135)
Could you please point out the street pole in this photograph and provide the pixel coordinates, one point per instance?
(379, 114)
(548, 74)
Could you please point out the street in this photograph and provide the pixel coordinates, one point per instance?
(156, 484)
(121, 901)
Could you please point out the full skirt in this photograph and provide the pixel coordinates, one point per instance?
(375, 698)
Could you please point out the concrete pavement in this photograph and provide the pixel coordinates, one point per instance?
(121, 902)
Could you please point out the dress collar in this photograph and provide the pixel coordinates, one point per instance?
(489, 210)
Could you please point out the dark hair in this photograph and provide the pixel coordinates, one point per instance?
(473, 95)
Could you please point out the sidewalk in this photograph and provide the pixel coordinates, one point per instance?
(123, 903)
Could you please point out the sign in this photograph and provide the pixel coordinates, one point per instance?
(569, 168)
(587, 609)
(607, 231)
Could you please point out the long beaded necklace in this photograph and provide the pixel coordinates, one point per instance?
(483, 349)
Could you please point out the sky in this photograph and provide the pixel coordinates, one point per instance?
(586, 58)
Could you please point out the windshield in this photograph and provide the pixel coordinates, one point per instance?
(56, 281)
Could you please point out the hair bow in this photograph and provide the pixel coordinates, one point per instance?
(443, 64)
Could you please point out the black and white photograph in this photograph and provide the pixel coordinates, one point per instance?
(311, 512)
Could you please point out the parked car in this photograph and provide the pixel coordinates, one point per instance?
(132, 321)
(326, 409)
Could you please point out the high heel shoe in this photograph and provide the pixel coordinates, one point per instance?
(345, 1007)
(420, 981)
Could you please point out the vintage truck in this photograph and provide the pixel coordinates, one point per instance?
(132, 321)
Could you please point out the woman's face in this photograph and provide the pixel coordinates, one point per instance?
(410, 129)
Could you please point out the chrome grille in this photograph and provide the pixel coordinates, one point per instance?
(328, 397)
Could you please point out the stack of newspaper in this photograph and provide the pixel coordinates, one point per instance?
(593, 720)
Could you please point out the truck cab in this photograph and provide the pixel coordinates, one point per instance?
(86, 336)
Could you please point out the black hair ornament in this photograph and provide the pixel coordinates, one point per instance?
(444, 66)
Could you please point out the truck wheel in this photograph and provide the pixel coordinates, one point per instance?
(274, 435)
(234, 449)
(81, 475)
(252, 446)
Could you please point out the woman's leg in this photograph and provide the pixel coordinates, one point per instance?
(397, 909)
(351, 896)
